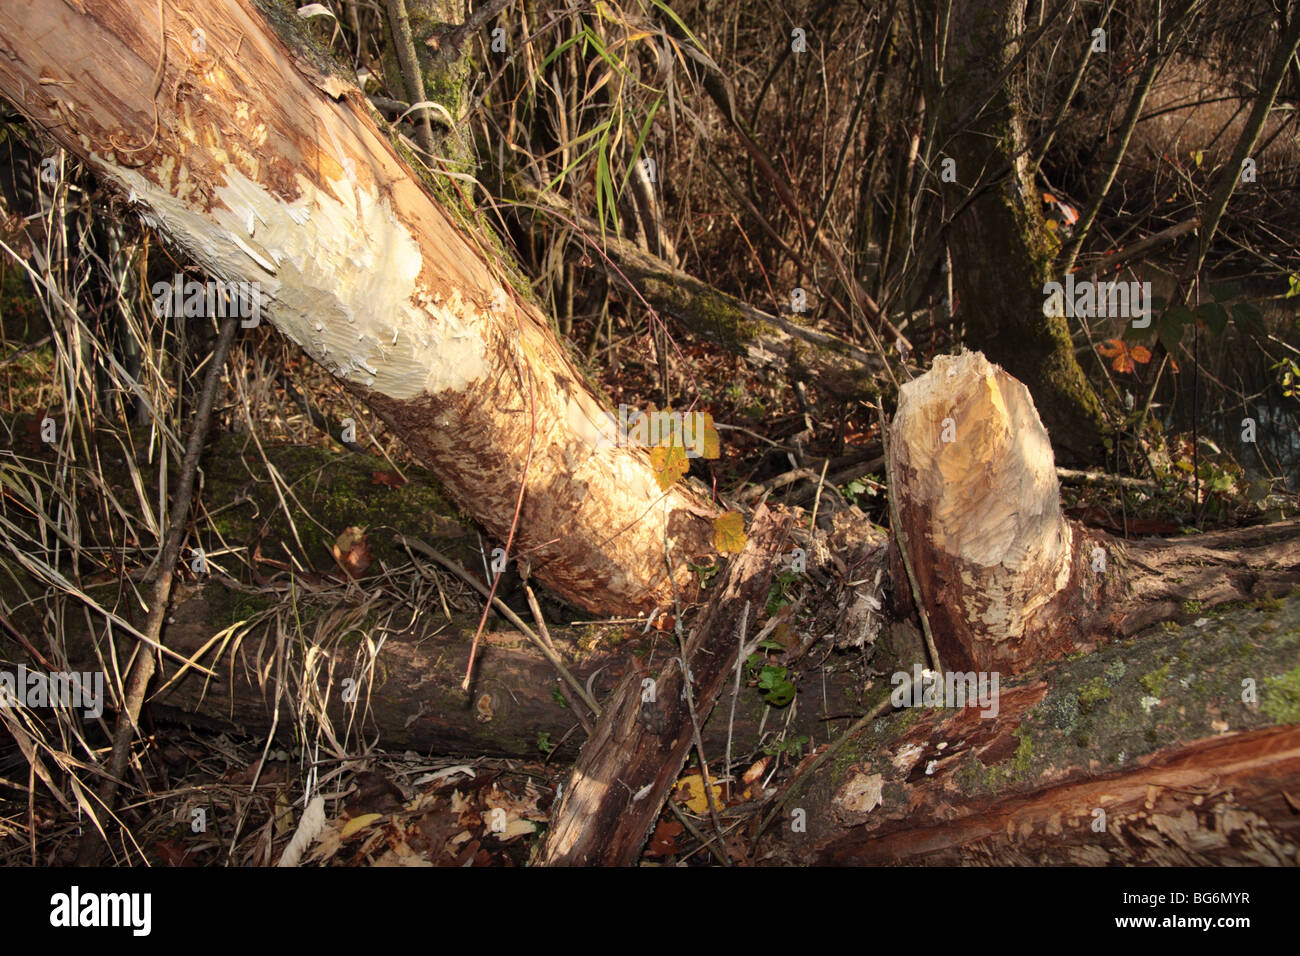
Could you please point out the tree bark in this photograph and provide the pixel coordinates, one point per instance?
(647, 728)
(266, 170)
(409, 697)
(841, 369)
(1001, 249)
(1179, 747)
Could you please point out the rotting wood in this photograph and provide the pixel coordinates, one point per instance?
(626, 769)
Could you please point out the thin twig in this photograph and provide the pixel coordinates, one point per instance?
(404, 46)
(142, 669)
(503, 609)
(735, 690)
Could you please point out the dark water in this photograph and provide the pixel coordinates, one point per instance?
(1235, 381)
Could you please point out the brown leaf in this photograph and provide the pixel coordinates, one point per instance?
(352, 552)
(172, 853)
(389, 478)
(664, 840)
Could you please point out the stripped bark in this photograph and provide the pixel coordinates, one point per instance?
(267, 171)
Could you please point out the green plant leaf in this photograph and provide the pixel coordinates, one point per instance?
(1223, 291)
(1214, 316)
(1172, 323)
(1248, 317)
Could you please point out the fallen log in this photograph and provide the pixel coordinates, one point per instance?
(408, 690)
(764, 340)
(1176, 747)
(408, 685)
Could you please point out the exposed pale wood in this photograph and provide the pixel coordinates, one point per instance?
(980, 510)
(1006, 578)
(265, 170)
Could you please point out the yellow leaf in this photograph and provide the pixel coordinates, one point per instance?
(712, 445)
(358, 823)
(700, 435)
(669, 463)
(691, 788)
(729, 532)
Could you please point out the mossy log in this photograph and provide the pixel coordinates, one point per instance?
(766, 341)
(407, 678)
(1179, 746)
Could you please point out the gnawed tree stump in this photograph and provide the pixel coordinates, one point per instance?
(1006, 579)
(641, 741)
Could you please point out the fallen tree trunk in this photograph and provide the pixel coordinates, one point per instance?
(1178, 747)
(298, 602)
(270, 173)
(409, 693)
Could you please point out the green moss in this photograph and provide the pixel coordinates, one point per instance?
(706, 310)
(1282, 697)
(1024, 756)
(1153, 682)
(1092, 694)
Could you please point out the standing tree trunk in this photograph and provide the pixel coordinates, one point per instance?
(267, 171)
(1001, 249)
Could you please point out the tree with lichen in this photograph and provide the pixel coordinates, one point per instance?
(1000, 247)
